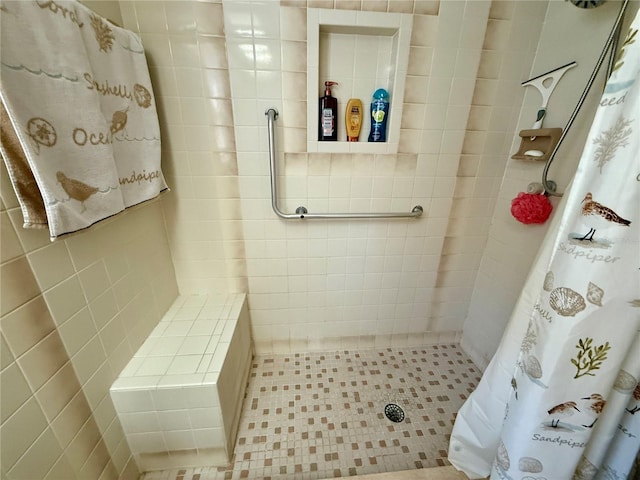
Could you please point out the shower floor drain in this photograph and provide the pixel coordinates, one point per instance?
(394, 412)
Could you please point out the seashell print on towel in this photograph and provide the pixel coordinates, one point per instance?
(566, 302)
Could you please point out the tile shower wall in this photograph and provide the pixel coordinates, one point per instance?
(511, 246)
(318, 285)
(71, 315)
(314, 285)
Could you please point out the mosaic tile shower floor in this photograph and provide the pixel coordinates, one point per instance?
(321, 415)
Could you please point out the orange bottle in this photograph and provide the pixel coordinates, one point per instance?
(353, 119)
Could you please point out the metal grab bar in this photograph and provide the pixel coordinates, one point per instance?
(302, 212)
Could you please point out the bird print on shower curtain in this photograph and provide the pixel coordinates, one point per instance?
(598, 217)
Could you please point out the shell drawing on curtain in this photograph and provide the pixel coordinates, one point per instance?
(571, 398)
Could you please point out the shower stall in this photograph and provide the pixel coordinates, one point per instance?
(354, 323)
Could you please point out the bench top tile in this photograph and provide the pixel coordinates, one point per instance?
(187, 347)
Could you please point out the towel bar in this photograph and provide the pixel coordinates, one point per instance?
(302, 212)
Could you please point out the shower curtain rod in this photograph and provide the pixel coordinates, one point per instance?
(302, 212)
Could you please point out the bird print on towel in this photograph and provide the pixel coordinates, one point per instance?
(562, 410)
(596, 405)
(597, 217)
(76, 189)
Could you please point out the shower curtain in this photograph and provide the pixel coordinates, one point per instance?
(560, 399)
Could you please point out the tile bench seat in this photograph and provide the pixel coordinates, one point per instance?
(180, 396)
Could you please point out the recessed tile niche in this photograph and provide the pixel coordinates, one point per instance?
(362, 51)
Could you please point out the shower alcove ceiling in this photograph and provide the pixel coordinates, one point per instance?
(362, 51)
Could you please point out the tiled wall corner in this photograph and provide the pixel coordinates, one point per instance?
(185, 46)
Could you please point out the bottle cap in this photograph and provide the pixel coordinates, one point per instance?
(381, 93)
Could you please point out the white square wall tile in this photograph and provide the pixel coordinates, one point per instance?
(267, 54)
(237, 19)
(154, 366)
(205, 417)
(174, 419)
(169, 399)
(131, 401)
(179, 440)
(139, 422)
(203, 328)
(184, 364)
(243, 83)
(149, 442)
(77, 331)
(266, 20)
(241, 53)
(150, 17)
(269, 84)
(164, 346)
(193, 345)
(209, 437)
(65, 299)
(178, 328)
(219, 357)
(51, 264)
(94, 280)
(205, 396)
(132, 367)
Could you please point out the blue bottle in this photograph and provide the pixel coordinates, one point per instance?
(379, 115)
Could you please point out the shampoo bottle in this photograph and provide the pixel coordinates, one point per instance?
(353, 119)
(379, 116)
(328, 115)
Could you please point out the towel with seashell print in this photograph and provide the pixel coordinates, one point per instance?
(80, 130)
(559, 399)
